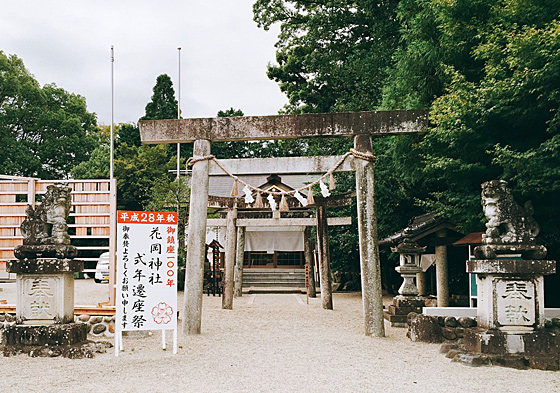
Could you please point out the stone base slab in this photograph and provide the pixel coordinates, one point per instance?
(395, 320)
(45, 251)
(20, 336)
(397, 312)
(539, 349)
(511, 266)
(78, 351)
(66, 340)
(409, 301)
(44, 266)
(527, 251)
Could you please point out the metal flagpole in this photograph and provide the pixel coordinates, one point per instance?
(118, 333)
(112, 107)
(179, 113)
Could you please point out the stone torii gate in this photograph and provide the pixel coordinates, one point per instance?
(359, 125)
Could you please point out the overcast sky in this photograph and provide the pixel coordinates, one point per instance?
(223, 58)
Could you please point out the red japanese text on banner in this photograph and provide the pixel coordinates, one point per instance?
(146, 270)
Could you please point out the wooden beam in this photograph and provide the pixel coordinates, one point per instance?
(281, 165)
(284, 126)
(278, 222)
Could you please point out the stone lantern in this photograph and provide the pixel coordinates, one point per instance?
(407, 300)
(410, 254)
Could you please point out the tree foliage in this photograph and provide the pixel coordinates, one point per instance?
(489, 71)
(44, 131)
(332, 55)
(163, 104)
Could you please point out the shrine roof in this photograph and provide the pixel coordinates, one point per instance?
(471, 238)
(420, 227)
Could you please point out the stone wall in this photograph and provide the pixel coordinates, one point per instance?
(462, 342)
(98, 325)
(428, 328)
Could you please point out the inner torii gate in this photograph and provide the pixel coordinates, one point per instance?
(359, 125)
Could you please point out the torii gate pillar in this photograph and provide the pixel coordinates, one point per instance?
(196, 243)
(372, 297)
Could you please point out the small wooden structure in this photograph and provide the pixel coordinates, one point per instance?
(437, 233)
(215, 284)
(293, 226)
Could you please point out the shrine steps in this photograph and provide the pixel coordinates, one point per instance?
(273, 278)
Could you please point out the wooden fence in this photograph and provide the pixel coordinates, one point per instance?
(89, 222)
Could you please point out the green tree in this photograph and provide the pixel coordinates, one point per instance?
(137, 169)
(129, 134)
(163, 104)
(173, 195)
(331, 55)
(44, 131)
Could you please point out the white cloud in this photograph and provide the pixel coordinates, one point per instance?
(223, 59)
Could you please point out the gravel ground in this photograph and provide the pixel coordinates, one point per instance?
(268, 343)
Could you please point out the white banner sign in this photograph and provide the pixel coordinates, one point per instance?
(146, 270)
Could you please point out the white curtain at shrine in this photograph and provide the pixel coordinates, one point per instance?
(427, 260)
(267, 239)
(272, 239)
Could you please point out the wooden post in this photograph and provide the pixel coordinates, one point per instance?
(238, 276)
(231, 237)
(324, 260)
(372, 297)
(196, 243)
(422, 283)
(308, 252)
(441, 273)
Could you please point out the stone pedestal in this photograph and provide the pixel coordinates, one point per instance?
(511, 328)
(45, 290)
(45, 309)
(397, 312)
(510, 293)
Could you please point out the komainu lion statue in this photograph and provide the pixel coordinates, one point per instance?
(46, 224)
(508, 223)
(57, 204)
(510, 228)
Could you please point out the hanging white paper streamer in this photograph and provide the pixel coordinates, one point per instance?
(271, 202)
(324, 190)
(300, 198)
(248, 197)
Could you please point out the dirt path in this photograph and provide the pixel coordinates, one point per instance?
(272, 343)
